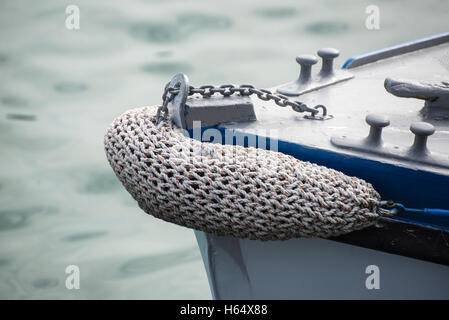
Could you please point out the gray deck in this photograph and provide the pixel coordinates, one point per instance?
(350, 101)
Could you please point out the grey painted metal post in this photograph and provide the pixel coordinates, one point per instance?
(327, 55)
(377, 123)
(306, 62)
(421, 130)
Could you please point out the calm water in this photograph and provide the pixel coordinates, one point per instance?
(60, 203)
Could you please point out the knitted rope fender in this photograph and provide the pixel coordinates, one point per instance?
(232, 190)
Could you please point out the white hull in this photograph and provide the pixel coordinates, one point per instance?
(314, 269)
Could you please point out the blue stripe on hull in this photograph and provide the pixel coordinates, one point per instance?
(412, 188)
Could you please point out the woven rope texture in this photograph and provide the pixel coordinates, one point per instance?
(232, 190)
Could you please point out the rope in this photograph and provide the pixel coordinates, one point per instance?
(400, 209)
(232, 190)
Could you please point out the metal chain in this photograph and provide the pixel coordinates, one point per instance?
(244, 90)
(162, 111)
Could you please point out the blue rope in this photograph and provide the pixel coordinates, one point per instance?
(441, 213)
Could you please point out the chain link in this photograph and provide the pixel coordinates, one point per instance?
(244, 90)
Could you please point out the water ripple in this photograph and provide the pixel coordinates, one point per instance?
(84, 236)
(198, 21)
(156, 32)
(45, 283)
(21, 117)
(169, 68)
(19, 218)
(70, 87)
(327, 27)
(276, 12)
(164, 53)
(153, 263)
(185, 25)
(14, 101)
(4, 262)
(14, 219)
(3, 58)
(101, 182)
